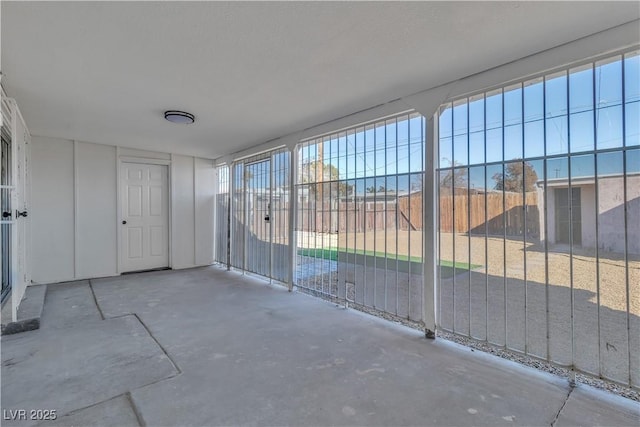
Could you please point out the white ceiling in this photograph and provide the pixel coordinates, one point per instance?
(252, 71)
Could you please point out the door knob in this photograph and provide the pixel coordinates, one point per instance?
(19, 214)
(6, 214)
(124, 222)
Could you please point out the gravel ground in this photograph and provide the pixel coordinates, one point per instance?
(544, 366)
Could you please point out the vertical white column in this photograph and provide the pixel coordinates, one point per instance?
(216, 231)
(75, 210)
(231, 247)
(293, 210)
(429, 209)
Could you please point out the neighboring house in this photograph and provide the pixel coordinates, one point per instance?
(609, 215)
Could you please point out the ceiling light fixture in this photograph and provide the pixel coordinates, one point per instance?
(181, 117)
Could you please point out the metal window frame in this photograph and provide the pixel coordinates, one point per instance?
(595, 152)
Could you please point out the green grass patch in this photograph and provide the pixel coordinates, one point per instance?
(332, 254)
(458, 265)
(448, 268)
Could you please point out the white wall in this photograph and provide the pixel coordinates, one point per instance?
(74, 209)
(52, 210)
(205, 189)
(182, 213)
(193, 192)
(95, 214)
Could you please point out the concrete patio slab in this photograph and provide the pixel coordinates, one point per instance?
(69, 304)
(72, 368)
(254, 354)
(589, 406)
(116, 412)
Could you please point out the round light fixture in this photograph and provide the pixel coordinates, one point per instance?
(181, 117)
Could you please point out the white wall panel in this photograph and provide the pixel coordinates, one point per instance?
(96, 210)
(204, 182)
(52, 216)
(182, 213)
(74, 213)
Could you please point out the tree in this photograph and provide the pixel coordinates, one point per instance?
(453, 178)
(516, 177)
(320, 173)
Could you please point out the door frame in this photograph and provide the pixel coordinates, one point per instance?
(10, 223)
(20, 195)
(143, 161)
(248, 226)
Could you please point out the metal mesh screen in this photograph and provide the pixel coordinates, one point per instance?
(538, 218)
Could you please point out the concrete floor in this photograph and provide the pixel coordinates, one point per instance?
(211, 347)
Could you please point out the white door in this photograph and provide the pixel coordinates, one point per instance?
(145, 217)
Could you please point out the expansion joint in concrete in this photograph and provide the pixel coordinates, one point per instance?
(84, 408)
(95, 300)
(572, 386)
(135, 409)
(146, 328)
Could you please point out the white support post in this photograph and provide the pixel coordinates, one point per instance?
(293, 210)
(231, 248)
(216, 233)
(429, 209)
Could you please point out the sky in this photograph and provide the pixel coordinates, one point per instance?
(595, 106)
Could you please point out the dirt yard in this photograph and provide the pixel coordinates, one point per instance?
(611, 268)
(504, 304)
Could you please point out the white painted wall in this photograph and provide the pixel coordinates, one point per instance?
(52, 210)
(205, 189)
(74, 209)
(95, 235)
(183, 212)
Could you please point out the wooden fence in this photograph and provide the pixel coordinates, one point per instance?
(464, 213)
(403, 213)
(461, 213)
